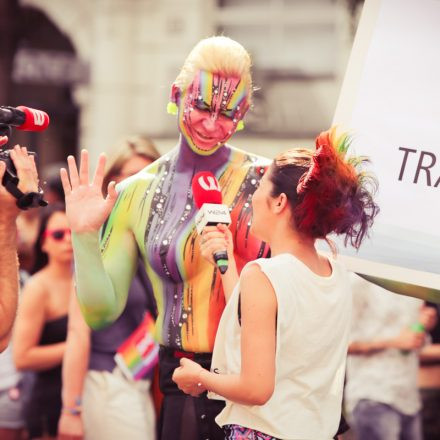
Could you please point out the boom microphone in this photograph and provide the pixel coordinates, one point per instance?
(208, 198)
(24, 118)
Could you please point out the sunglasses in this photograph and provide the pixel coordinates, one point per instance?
(57, 234)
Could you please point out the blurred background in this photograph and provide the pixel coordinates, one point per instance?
(103, 69)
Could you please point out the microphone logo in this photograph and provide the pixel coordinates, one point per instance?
(209, 183)
(38, 116)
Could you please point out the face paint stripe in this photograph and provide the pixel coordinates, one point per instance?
(238, 96)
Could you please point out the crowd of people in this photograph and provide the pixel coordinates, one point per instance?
(286, 344)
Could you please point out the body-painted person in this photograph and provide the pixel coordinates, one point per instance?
(281, 345)
(153, 213)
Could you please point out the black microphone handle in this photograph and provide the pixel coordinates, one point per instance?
(11, 116)
(221, 259)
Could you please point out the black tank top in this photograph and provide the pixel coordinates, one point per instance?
(54, 331)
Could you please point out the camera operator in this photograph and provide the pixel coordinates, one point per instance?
(28, 182)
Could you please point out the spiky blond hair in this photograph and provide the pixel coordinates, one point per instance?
(218, 54)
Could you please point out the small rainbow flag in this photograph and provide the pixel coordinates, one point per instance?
(139, 353)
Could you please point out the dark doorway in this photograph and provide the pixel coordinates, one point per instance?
(35, 54)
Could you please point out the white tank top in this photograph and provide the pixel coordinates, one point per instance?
(312, 334)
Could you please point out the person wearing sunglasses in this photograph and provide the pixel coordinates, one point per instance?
(41, 326)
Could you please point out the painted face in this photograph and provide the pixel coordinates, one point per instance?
(210, 109)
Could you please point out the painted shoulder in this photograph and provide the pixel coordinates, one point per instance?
(143, 178)
(245, 156)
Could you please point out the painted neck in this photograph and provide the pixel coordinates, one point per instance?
(187, 158)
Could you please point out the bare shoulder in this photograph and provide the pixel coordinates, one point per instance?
(256, 291)
(254, 278)
(35, 291)
(252, 270)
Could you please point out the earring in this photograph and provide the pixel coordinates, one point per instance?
(240, 126)
(172, 108)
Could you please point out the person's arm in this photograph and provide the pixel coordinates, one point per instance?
(219, 238)
(8, 272)
(102, 281)
(28, 181)
(406, 340)
(255, 383)
(75, 365)
(28, 355)
(430, 353)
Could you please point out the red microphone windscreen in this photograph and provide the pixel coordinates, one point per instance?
(206, 189)
(36, 120)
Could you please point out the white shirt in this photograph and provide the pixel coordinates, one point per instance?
(388, 376)
(313, 323)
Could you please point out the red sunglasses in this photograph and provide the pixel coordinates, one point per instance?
(57, 234)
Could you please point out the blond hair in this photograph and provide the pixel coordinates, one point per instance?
(126, 149)
(217, 54)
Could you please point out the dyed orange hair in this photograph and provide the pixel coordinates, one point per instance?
(326, 190)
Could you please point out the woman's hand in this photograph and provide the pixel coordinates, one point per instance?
(214, 239)
(187, 377)
(70, 427)
(86, 207)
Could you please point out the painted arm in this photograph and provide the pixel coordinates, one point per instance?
(255, 383)
(75, 366)
(102, 282)
(28, 354)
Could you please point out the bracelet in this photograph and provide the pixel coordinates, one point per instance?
(73, 411)
(199, 383)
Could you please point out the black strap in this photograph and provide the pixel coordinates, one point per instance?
(26, 200)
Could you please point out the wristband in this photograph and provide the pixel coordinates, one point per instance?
(73, 410)
(199, 383)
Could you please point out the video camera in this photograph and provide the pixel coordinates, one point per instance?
(28, 119)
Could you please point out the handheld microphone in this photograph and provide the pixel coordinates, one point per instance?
(24, 118)
(208, 198)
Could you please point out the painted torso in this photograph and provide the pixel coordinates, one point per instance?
(157, 206)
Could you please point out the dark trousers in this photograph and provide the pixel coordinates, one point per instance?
(184, 417)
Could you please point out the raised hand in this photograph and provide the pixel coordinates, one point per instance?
(86, 207)
(70, 427)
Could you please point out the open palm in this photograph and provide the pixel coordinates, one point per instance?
(86, 207)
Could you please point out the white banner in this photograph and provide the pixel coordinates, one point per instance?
(390, 102)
